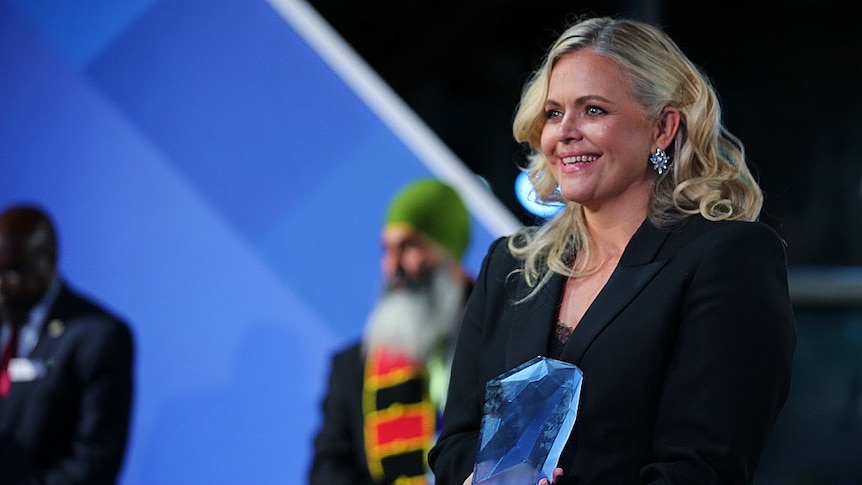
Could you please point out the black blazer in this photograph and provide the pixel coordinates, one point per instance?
(339, 446)
(70, 426)
(686, 357)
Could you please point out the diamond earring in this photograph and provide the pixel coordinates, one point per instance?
(659, 160)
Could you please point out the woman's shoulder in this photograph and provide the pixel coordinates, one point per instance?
(499, 259)
(697, 224)
(499, 252)
(701, 231)
(501, 248)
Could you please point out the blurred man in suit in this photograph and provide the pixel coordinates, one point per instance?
(66, 379)
(385, 392)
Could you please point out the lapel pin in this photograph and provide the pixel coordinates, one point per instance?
(55, 328)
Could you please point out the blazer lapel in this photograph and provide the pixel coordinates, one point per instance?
(532, 321)
(55, 324)
(636, 268)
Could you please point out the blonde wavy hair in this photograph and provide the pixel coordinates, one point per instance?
(708, 174)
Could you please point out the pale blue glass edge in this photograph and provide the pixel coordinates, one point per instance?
(566, 426)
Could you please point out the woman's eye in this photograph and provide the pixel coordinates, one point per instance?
(594, 110)
(553, 113)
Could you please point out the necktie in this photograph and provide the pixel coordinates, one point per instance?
(8, 352)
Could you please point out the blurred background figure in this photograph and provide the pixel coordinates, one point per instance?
(66, 381)
(380, 412)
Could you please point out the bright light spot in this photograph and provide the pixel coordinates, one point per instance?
(527, 196)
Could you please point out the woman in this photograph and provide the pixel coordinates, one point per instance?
(654, 280)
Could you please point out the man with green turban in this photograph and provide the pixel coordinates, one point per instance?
(386, 392)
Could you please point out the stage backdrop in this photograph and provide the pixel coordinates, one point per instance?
(218, 170)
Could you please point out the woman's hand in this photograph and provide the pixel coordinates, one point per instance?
(558, 472)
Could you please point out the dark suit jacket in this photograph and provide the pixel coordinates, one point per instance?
(339, 447)
(686, 357)
(71, 425)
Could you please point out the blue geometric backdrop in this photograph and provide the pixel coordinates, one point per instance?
(220, 185)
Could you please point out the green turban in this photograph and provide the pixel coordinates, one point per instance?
(435, 210)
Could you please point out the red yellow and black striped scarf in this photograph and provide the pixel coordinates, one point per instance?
(400, 419)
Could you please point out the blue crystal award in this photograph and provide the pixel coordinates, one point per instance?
(528, 415)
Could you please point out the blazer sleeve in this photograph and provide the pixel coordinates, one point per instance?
(105, 368)
(729, 373)
(337, 455)
(453, 456)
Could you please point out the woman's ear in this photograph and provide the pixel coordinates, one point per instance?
(667, 126)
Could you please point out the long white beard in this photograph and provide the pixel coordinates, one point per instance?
(413, 321)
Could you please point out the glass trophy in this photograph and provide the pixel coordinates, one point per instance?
(528, 415)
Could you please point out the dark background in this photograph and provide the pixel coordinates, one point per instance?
(787, 74)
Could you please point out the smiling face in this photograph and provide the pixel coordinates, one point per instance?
(596, 136)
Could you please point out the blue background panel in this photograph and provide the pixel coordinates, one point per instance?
(216, 184)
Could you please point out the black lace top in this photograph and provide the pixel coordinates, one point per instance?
(558, 340)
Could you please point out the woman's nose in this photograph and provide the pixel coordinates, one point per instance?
(568, 128)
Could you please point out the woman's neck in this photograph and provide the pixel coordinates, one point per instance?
(611, 233)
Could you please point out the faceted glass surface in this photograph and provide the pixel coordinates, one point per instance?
(528, 416)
